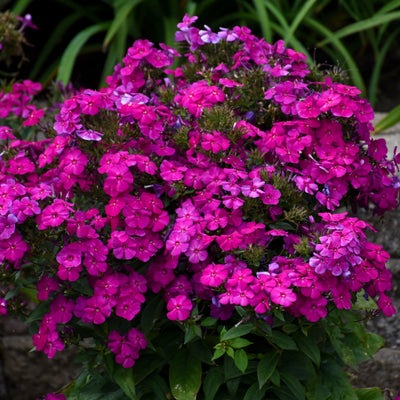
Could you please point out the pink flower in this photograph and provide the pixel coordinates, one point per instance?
(179, 308)
(214, 275)
(171, 171)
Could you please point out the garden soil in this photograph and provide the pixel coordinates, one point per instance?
(26, 375)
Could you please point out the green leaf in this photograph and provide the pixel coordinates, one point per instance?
(151, 314)
(237, 331)
(120, 17)
(239, 343)
(369, 394)
(74, 47)
(282, 340)
(124, 378)
(294, 385)
(255, 393)
(146, 365)
(213, 380)
(266, 367)
(185, 376)
(241, 360)
(192, 331)
(391, 119)
(309, 347)
(219, 351)
(37, 314)
(209, 321)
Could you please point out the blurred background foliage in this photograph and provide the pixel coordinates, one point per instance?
(81, 41)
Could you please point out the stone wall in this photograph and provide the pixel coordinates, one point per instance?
(26, 375)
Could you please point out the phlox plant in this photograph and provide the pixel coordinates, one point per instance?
(191, 228)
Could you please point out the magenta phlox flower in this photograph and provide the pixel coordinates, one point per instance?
(20, 165)
(128, 306)
(3, 307)
(136, 216)
(196, 251)
(342, 296)
(122, 244)
(308, 108)
(377, 149)
(61, 309)
(214, 275)
(346, 108)
(7, 226)
(283, 295)
(253, 188)
(140, 49)
(70, 255)
(241, 296)
(126, 347)
(73, 161)
(229, 241)
(314, 309)
(217, 219)
(214, 142)
(208, 36)
(177, 243)
(25, 207)
(179, 308)
(14, 247)
(241, 278)
(271, 195)
(119, 179)
(171, 171)
(45, 286)
(53, 396)
(6, 133)
(96, 310)
(385, 303)
(54, 214)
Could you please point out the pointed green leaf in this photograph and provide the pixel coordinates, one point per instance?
(283, 341)
(266, 367)
(309, 347)
(239, 343)
(237, 331)
(369, 394)
(214, 379)
(124, 378)
(294, 385)
(255, 393)
(241, 360)
(185, 376)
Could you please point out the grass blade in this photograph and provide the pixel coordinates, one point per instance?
(71, 52)
(389, 7)
(263, 20)
(351, 64)
(377, 66)
(20, 6)
(120, 17)
(297, 20)
(360, 26)
(391, 119)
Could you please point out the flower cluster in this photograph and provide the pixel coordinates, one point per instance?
(217, 184)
